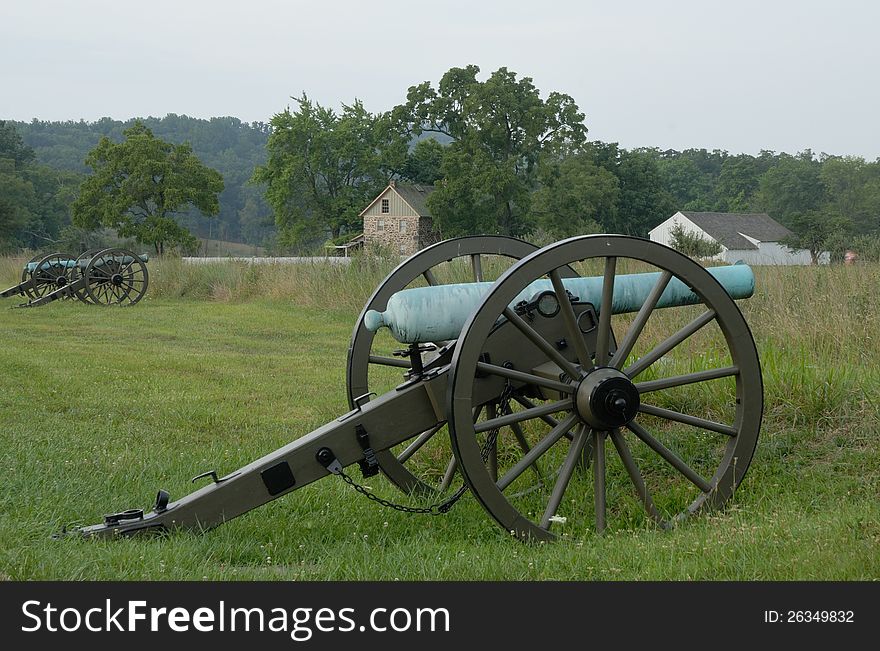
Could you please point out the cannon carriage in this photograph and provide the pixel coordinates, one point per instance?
(513, 389)
(98, 277)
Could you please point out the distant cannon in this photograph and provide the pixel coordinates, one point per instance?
(100, 277)
(530, 388)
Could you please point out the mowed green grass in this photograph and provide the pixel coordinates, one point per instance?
(99, 408)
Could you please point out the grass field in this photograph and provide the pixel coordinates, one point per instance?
(218, 365)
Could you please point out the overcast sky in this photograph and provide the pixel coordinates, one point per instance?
(739, 75)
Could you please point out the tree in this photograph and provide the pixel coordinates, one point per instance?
(816, 231)
(499, 129)
(692, 243)
(424, 164)
(34, 199)
(644, 200)
(792, 188)
(852, 189)
(138, 186)
(323, 167)
(739, 179)
(575, 196)
(683, 179)
(12, 146)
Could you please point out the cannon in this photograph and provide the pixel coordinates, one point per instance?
(528, 377)
(99, 277)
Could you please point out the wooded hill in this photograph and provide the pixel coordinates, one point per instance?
(226, 144)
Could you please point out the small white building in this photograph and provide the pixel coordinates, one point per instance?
(754, 238)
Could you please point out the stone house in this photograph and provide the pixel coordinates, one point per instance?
(398, 220)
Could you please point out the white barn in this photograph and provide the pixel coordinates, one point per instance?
(754, 238)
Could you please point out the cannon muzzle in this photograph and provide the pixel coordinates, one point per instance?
(438, 313)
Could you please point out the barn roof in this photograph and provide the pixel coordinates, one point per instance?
(728, 228)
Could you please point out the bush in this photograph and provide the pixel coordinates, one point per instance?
(693, 245)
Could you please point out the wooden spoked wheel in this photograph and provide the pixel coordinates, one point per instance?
(425, 462)
(50, 273)
(78, 271)
(680, 396)
(116, 277)
(26, 277)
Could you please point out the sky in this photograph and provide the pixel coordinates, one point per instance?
(739, 75)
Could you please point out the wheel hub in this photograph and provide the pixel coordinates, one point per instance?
(116, 279)
(606, 399)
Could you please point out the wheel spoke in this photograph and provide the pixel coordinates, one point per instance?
(422, 438)
(571, 461)
(129, 288)
(525, 414)
(389, 361)
(429, 276)
(689, 378)
(492, 461)
(638, 323)
(477, 265)
(669, 456)
(528, 404)
(633, 471)
(687, 419)
(451, 467)
(644, 362)
(528, 378)
(535, 453)
(544, 345)
(526, 448)
(599, 479)
(574, 332)
(603, 336)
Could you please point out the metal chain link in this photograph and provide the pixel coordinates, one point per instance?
(438, 508)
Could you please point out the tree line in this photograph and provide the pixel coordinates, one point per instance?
(226, 144)
(501, 157)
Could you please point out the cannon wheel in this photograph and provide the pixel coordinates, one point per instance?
(50, 273)
(110, 280)
(672, 453)
(78, 272)
(26, 278)
(361, 357)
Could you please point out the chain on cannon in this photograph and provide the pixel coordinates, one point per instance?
(520, 365)
(99, 277)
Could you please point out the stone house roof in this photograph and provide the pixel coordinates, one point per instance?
(413, 194)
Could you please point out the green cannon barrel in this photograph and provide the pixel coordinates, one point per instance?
(438, 313)
(69, 264)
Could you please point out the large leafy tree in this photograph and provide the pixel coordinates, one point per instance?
(140, 184)
(576, 196)
(498, 131)
(324, 166)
